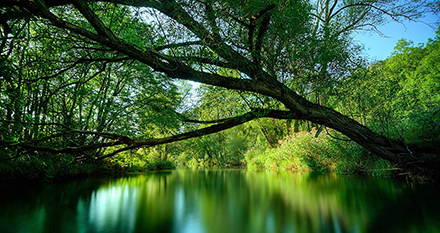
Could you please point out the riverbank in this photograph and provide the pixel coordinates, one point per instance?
(9, 176)
(303, 151)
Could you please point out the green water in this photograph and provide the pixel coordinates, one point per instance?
(222, 200)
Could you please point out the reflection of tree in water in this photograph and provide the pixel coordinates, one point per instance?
(155, 203)
(277, 202)
(329, 203)
(228, 201)
(240, 201)
(44, 209)
(413, 211)
(220, 198)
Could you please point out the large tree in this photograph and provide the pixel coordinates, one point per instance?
(271, 45)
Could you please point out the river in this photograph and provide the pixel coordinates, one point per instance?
(223, 200)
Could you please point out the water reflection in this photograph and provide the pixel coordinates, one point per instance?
(223, 201)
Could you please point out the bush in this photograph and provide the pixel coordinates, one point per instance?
(140, 160)
(45, 167)
(159, 165)
(303, 151)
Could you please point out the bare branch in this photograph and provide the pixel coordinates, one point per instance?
(340, 139)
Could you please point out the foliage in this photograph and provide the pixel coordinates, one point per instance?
(86, 80)
(303, 151)
(422, 125)
(65, 82)
(398, 97)
(225, 148)
(140, 160)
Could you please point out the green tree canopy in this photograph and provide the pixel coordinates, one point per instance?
(283, 50)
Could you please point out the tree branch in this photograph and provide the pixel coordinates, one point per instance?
(211, 18)
(259, 112)
(206, 61)
(263, 28)
(222, 125)
(79, 61)
(93, 19)
(261, 32)
(177, 45)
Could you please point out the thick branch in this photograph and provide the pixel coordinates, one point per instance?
(220, 125)
(259, 43)
(93, 19)
(263, 28)
(223, 125)
(271, 113)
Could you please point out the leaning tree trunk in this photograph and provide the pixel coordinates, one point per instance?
(258, 81)
(406, 158)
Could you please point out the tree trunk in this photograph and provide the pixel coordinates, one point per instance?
(259, 80)
(267, 137)
(289, 126)
(394, 151)
(296, 126)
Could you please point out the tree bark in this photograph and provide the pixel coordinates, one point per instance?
(289, 127)
(267, 137)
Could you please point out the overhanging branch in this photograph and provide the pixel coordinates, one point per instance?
(116, 139)
(223, 125)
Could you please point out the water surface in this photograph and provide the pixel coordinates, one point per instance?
(233, 200)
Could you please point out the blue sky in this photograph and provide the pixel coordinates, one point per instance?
(379, 48)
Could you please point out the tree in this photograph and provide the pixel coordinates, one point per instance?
(265, 42)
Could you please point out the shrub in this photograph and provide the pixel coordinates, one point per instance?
(304, 151)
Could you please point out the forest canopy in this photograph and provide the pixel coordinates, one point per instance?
(86, 80)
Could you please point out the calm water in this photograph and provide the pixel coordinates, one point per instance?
(222, 200)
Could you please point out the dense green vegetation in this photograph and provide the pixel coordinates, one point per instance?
(98, 86)
(400, 99)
